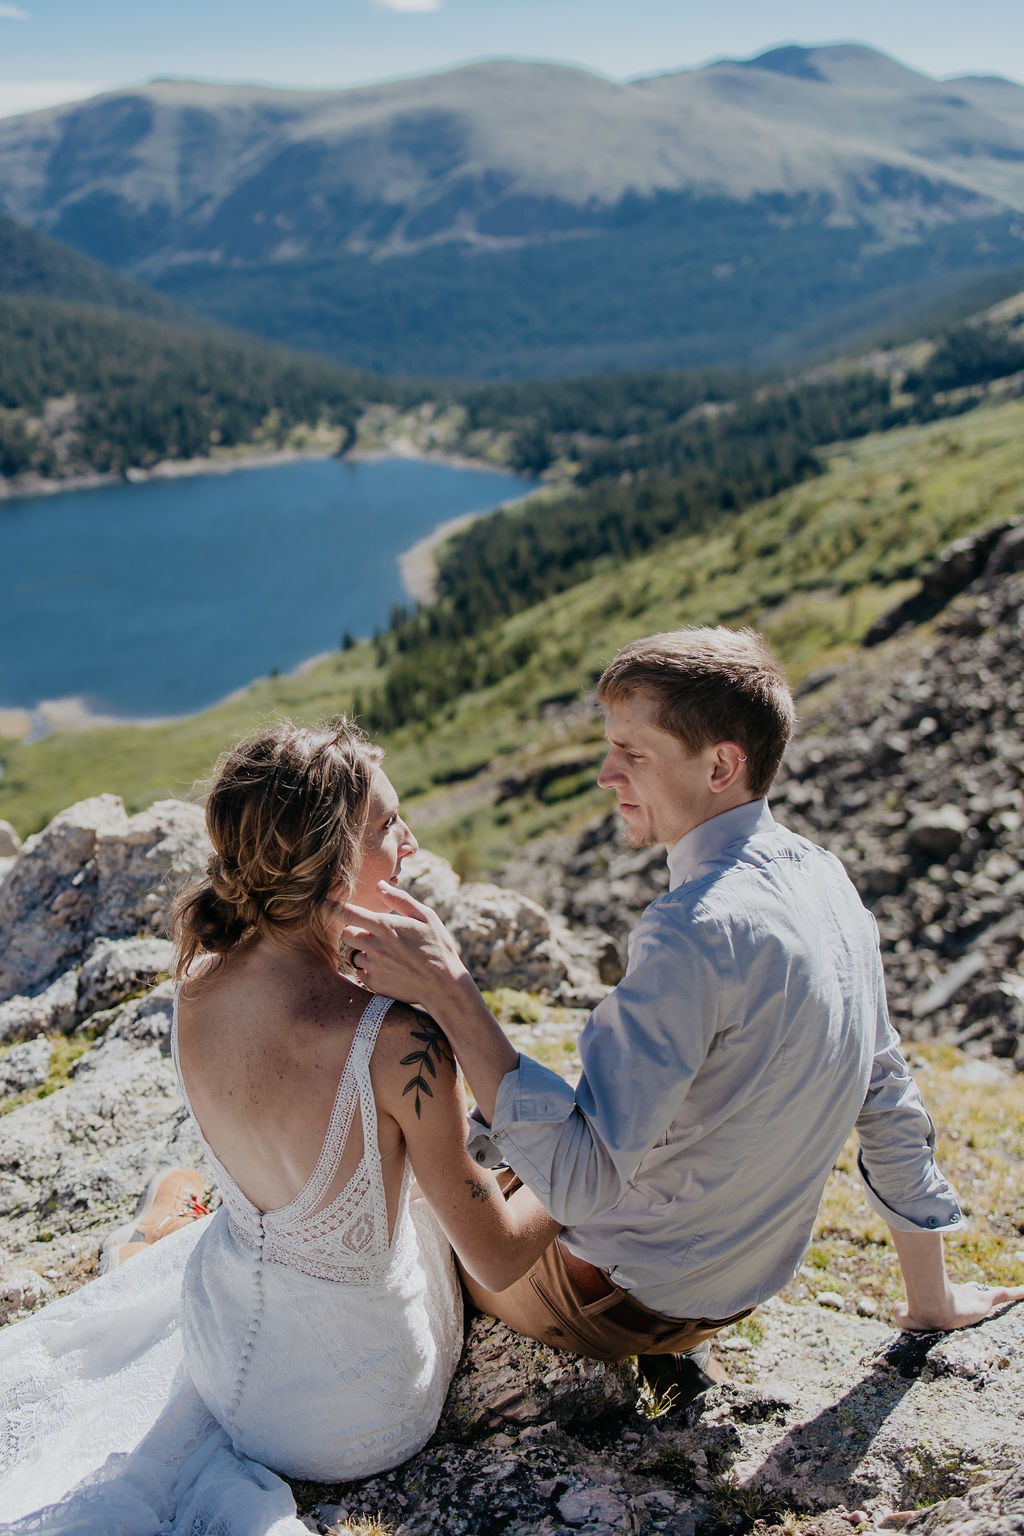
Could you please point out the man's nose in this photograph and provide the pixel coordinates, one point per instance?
(409, 843)
(609, 773)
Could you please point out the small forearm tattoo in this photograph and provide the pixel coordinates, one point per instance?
(480, 1191)
(434, 1050)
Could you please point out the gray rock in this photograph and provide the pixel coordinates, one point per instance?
(432, 880)
(938, 832)
(10, 842)
(51, 1011)
(25, 1066)
(833, 1414)
(507, 940)
(21, 1291)
(114, 968)
(94, 872)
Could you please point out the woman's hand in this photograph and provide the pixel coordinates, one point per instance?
(406, 953)
(409, 954)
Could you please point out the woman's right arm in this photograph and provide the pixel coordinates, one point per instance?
(417, 1082)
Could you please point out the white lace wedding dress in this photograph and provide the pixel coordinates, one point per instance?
(156, 1398)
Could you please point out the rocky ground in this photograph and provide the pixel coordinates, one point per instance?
(909, 764)
(912, 770)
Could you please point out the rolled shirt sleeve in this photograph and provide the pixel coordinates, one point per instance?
(902, 1182)
(640, 1049)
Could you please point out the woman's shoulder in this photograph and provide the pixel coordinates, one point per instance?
(405, 1028)
(412, 1052)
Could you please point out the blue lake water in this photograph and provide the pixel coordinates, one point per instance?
(160, 598)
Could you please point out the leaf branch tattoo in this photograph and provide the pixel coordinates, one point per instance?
(480, 1191)
(435, 1050)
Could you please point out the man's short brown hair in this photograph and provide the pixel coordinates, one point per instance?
(709, 685)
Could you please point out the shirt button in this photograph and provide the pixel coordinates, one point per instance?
(933, 1221)
(481, 1156)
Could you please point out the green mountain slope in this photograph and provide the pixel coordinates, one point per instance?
(34, 266)
(99, 374)
(813, 567)
(511, 218)
(86, 390)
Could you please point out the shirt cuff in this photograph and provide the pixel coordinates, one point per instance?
(529, 1094)
(937, 1210)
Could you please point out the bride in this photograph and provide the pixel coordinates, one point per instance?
(312, 1325)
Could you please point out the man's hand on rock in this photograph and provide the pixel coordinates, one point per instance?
(966, 1305)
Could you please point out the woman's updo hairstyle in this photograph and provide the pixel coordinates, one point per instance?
(286, 816)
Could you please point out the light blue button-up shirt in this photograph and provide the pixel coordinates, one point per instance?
(721, 1078)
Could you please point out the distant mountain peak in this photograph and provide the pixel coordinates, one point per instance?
(788, 59)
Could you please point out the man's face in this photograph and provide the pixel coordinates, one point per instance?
(663, 791)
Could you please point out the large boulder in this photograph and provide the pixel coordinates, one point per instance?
(507, 940)
(94, 872)
(51, 1011)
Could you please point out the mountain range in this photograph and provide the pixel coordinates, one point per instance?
(509, 218)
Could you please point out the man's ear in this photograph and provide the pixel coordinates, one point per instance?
(728, 766)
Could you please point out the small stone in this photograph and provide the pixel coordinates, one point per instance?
(859, 1517)
(830, 1299)
(25, 1066)
(938, 832)
(21, 1290)
(866, 1308)
(584, 1505)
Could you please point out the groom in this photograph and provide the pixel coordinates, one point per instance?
(723, 1074)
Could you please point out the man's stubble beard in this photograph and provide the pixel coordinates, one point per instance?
(638, 838)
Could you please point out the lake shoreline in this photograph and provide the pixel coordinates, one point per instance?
(415, 566)
(24, 487)
(52, 716)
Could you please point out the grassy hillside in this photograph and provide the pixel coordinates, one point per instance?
(813, 567)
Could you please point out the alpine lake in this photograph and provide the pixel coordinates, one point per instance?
(150, 600)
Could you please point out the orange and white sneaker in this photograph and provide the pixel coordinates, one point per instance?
(173, 1198)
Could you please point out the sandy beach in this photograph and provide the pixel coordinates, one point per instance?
(418, 565)
(227, 462)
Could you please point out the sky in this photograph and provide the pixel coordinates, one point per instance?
(60, 50)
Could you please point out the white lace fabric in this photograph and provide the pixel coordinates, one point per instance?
(347, 1240)
(156, 1399)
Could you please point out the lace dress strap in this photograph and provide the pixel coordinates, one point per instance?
(354, 1085)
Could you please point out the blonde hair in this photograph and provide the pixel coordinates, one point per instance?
(710, 684)
(286, 816)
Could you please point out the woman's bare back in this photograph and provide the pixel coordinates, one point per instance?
(263, 1039)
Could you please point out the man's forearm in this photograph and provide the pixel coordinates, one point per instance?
(922, 1260)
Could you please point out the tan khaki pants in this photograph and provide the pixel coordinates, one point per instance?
(546, 1304)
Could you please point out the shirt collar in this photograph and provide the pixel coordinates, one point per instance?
(711, 838)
